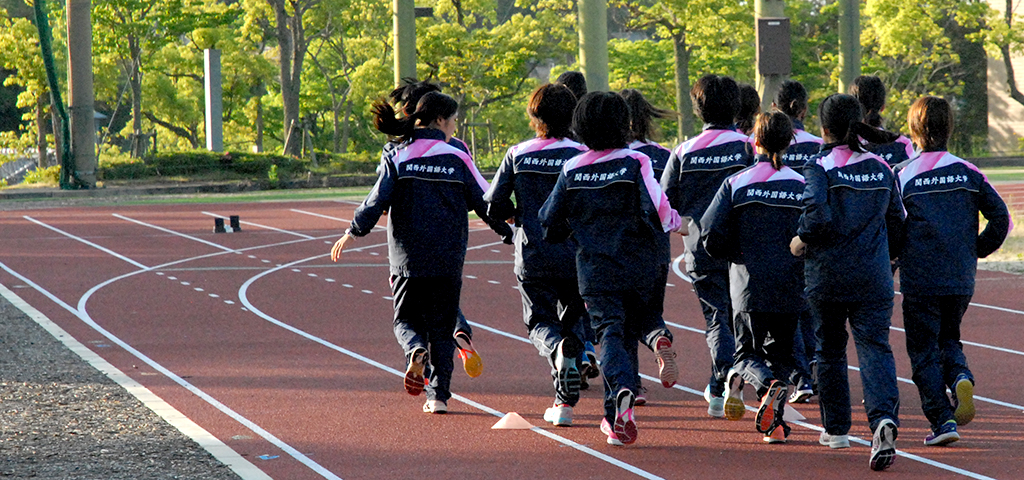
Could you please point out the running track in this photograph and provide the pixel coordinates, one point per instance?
(290, 362)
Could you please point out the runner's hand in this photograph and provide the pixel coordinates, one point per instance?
(797, 247)
(339, 246)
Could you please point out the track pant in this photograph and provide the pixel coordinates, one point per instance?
(764, 347)
(936, 354)
(617, 318)
(870, 323)
(425, 311)
(712, 288)
(552, 310)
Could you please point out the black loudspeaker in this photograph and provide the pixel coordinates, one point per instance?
(774, 56)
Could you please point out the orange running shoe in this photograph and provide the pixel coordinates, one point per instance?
(471, 361)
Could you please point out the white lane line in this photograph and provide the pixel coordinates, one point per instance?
(171, 415)
(243, 296)
(93, 245)
(85, 318)
(680, 274)
(172, 232)
(297, 234)
(485, 246)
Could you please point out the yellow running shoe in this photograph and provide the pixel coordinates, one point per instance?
(734, 407)
(471, 361)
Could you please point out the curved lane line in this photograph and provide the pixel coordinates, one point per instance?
(243, 297)
(171, 415)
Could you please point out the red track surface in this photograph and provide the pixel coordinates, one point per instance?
(264, 323)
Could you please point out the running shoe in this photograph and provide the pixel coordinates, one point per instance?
(641, 396)
(567, 374)
(414, 373)
(802, 393)
(716, 404)
(559, 415)
(668, 372)
(834, 441)
(734, 407)
(963, 398)
(771, 409)
(471, 361)
(625, 425)
(883, 445)
(945, 435)
(606, 428)
(435, 406)
(778, 433)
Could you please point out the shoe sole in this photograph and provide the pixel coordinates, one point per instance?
(439, 410)
(472, 363)
(668, 371)
(835, 444)
(771, 407)
(944, 439)
(964, 412)
(558, 421)
(414, 374)
(625, 425)
(734, 407)
(567, 373)
(885, 439)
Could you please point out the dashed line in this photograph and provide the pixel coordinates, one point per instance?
(229, 302)
(160, 273)
(311, 274)
(296, 270)
(494, 282)
(389, 298)
(367, 291)
(495, 251)
(329, 280)
(471, 276)
(265, 260)
(172, 278)
(198, 289)
(214, 295)
(186, 283)
(346, 285)
(670, 284)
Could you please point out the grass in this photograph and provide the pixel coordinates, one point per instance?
(1004, 174)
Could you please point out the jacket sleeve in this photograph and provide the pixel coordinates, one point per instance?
(670, 181)
(376, 203)
(499, 196)
(475, 201)
(716, 227)
(992, 207)
(552, 214)
(895, 215)
(815, 225)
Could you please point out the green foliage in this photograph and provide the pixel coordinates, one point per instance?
(49, 176)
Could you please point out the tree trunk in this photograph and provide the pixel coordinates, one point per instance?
(135, 82)
(289, 79)
(259, 124)
(683, 103)
(1011, 81)
(42, 160)
(346, 127)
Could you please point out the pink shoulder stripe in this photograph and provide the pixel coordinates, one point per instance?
(669, 217)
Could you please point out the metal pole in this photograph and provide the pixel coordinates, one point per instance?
(405, 40)
(594, 43)
(768, 84)
(80, 92)
(214, 101)
(849, 43)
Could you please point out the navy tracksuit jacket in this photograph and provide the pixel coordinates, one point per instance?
(530, 170)
(943, 195)
(427, 186)
(852, 224)
(750, 223)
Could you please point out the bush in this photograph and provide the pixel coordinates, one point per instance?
(48, 175)
(256, 166)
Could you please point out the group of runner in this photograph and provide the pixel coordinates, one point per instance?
(788, 237)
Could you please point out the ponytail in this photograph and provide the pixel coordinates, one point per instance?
(870, 92)
(774, 132)
(431, 107)
(642, 114)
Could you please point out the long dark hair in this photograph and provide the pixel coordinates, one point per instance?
(601, 121)
(791, 99)
(750, 106)
(431, 107)
(773, 132)
(408, 95)
(842, 117)
(870, 92)
(930, 120)
(642, 114)
(550, 108)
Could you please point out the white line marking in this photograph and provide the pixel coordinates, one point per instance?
(243, 295)
(172, 232)
(93, 245)
(171, 415)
